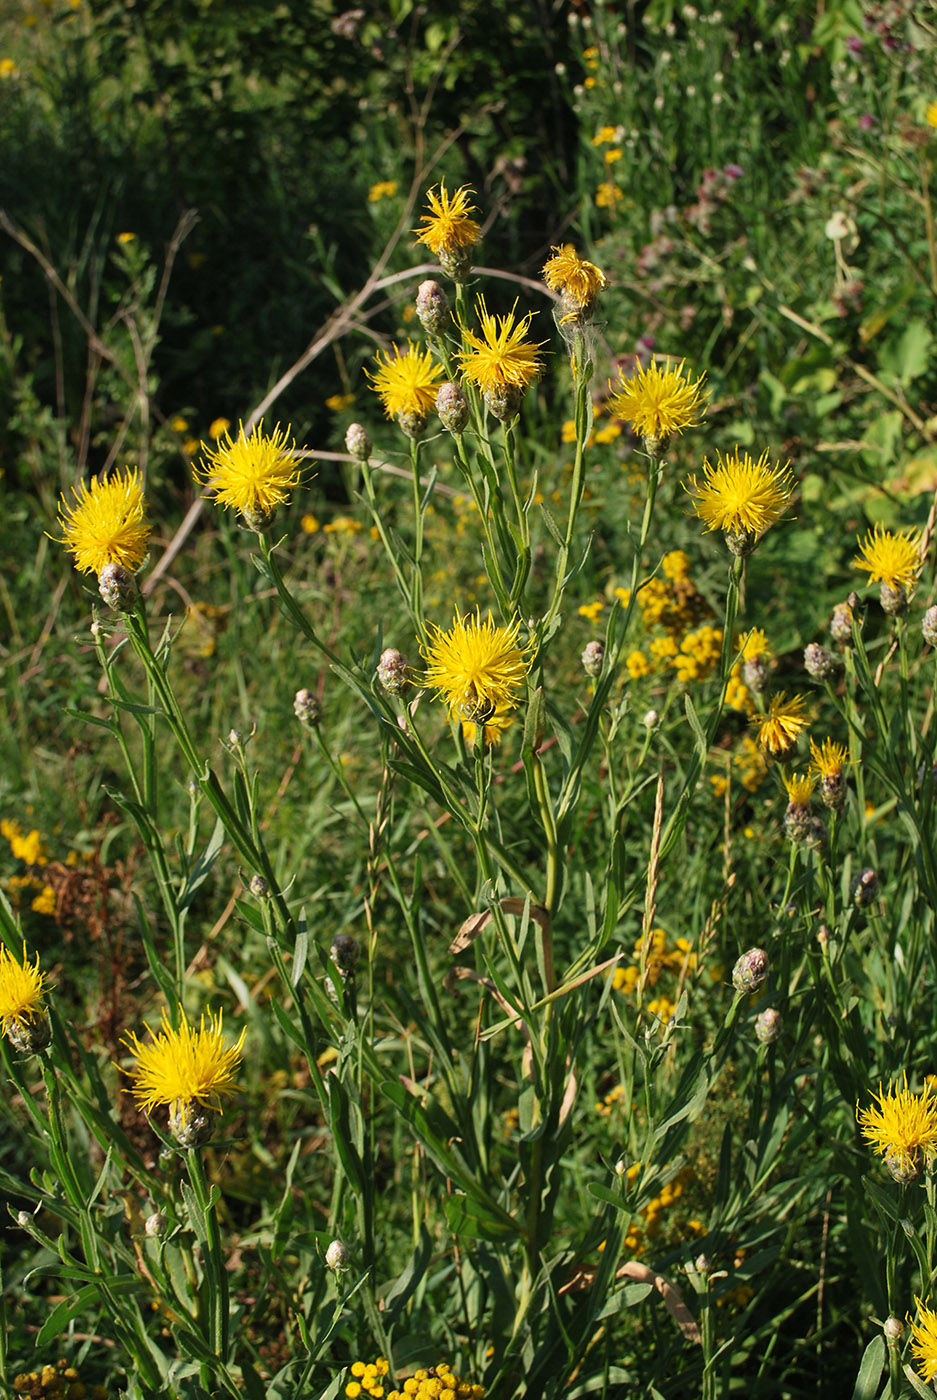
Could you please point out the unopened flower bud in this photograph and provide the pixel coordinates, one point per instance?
(307, 709)
(768, 1026)
(191, 1124)
(750, 970)
(155, 1225)
(894, 600)
(740, 542)
(818, 662)
(452, 407)
(24, 1219)
(393, 671)
(502, 403)
(118, 587)
(259, 887)
(345, 954)
(798, 823)
(432, 306)
(235, 738)
(823, 936)
(592, 657)
(357, 442)
(841, 624)
(651, 719)
(893, 1328)
(864, 889)
(32, 1034)
(929, 626)
(755, 673)
(337, 1256)
(620, 1167)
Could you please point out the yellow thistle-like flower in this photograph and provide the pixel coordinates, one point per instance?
(183, 1067)
(894, 560)
(779, 728)
(924, 1326)
(578, 281)
(741, 497)
(447, 228)
(501, 361)
(828, 759)
(252, 473)
(21, 988)
(902, 1129)
(106, 523)
(799, 788)
(407, 383)
(658, 402)
(755, 645)
(476, 667)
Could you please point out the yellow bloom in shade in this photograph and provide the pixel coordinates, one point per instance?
(448, 227)
(604, 136)
(252, 473)
(924, 1326)
(106, 523)
(828, 759)
(591, 611)
(384, 189)
(21, 988)
(902, 1129)
(658, 402)
(799, 788)
(930, 114)
(608, 195)
(894, 560)
(578, 281)
(476, 667)
(500, 358)
(407, 382)
(779, 729)
(181, 1067)
(740, 496)
(218, 426)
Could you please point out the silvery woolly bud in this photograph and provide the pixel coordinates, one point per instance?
(23, 1219)
(357, 442)
(432, 306)
(393, 671)
(452, 407)
(337, 1256)
(651, 719)
(818, 662)
(841, 624)
(929, 627)
(155, 1225)
(592, 657)
(755, 673)
(191, 1124)
(118, 587)
(893, 1328)
(306, 708)
(259, 887)
(750, 970)
(345, 954)
(768, 1026)
(864, 889)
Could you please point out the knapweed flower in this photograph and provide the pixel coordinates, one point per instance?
(106, 523)
(578, 282)
(902, 1129)
(828, 761)
(779, 728)
(189, 1071)
(894, 561)
(924, 1326)
(23, 1017)
(252, 473)
(476, 667)
(755, 655)
(449, 231)
(741, 497)
(799, 788)
(407, 383)
(798, 823)
(658, 402)
(501, 361)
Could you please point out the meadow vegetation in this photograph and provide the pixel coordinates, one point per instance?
(467, 876)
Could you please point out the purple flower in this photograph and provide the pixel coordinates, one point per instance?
(866, 122)
(733, 172)
(854, 44)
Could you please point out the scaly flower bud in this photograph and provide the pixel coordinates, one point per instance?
(768, 1026)
(307, 709)
(337, 1256)
(750, 970)
(592, 658)
(818, 662)
(452, 407)
(864, 889)
(393, 671)
(118, 587)
(432, 307)
(929, 626)
(357, 442)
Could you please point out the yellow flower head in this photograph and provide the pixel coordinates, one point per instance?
(179, 1068)
(106, 523)
(500, 358)
(828, 759)
(755, 645)
(779, 728)
(251, 472)
(476, 667)
(658, 402)
(903, 1127)
(407, 383)
(21, 989)
(740, 496)
(894, 560)
(578, 281)
(799, 788)
(447, 228)
(384, 189)
(924, 1326)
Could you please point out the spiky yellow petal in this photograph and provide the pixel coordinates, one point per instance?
(658, 402)
(476, 667)
(181, 1066)
(891, 559)
(106, 522)
(252, 473)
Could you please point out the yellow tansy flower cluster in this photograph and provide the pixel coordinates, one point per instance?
(651, 1219)
(60, 1380)
(660, 959)
(439, 1382)
(747, 764)
(367, 1377)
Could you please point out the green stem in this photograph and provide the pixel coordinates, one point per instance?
(215, 1272)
